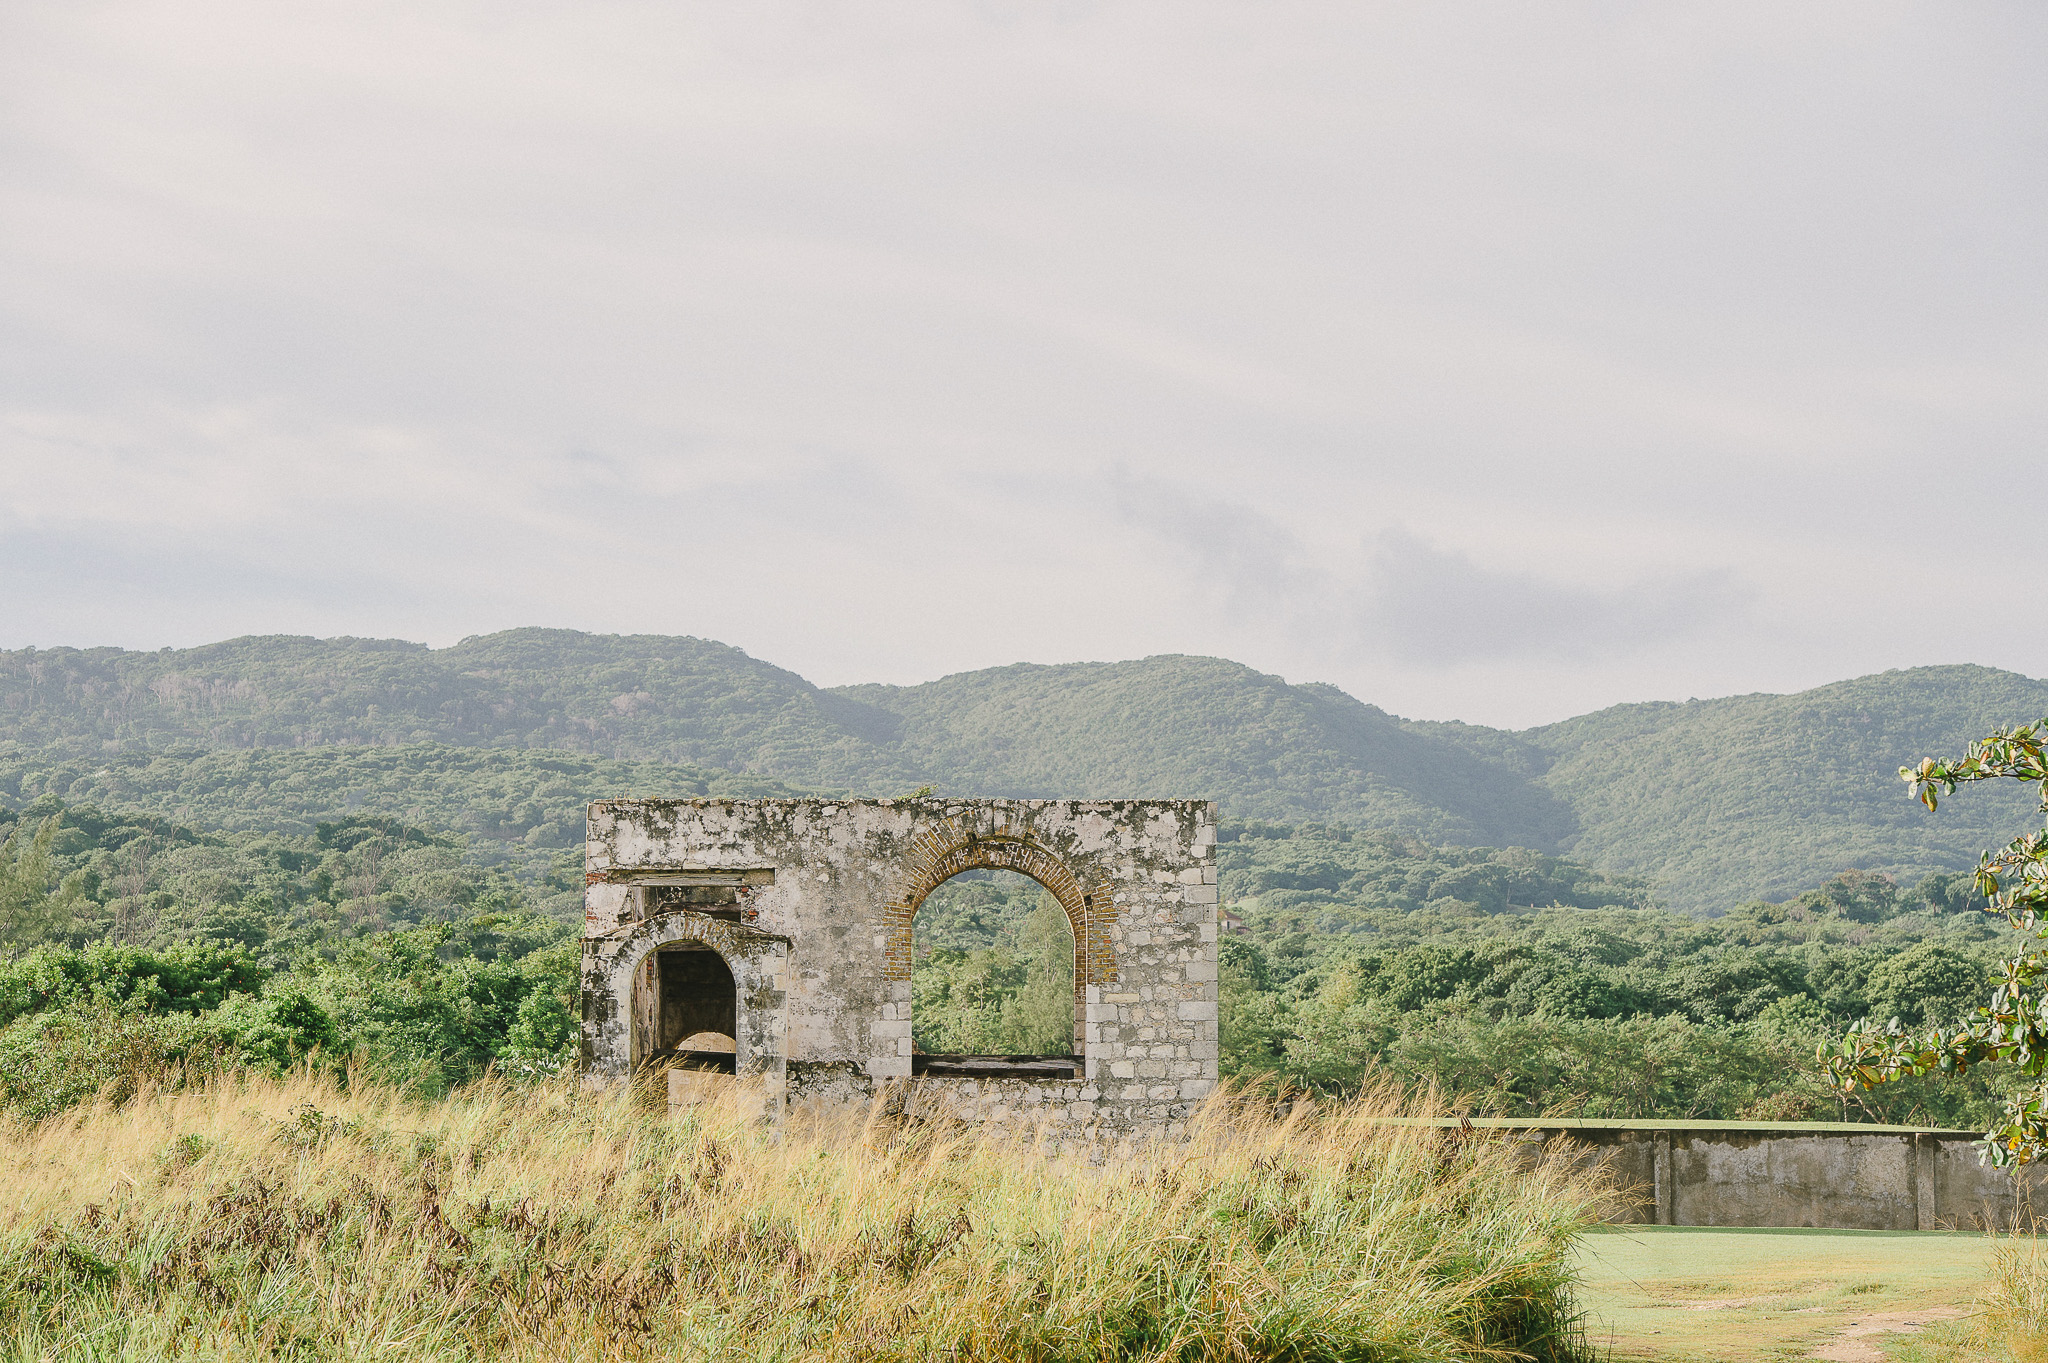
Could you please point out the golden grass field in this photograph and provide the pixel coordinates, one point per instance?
(299, 1219)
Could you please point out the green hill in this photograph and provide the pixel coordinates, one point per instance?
(640, 697)
(1205, 726)
(1177, 725)
(505, 735)
(522, 806)
(1759, 796)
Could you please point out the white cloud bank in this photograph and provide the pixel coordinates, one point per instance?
(1491, 361)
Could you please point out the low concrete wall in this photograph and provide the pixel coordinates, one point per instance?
(1833, 1177)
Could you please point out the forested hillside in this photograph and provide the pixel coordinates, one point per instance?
(518, 805)
(1757, 797)
(1184, 726)
(1206, 726)
(505, 736)
(642, 697)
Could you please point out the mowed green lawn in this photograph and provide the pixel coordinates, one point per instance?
(1678, 1293)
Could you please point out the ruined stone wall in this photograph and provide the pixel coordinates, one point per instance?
(811, 903)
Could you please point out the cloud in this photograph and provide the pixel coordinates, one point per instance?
(1237, 559)
(822, 329)
(1416, 602)
(1437, 607)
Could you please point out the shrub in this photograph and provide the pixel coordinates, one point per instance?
(188, 978)
(53, 1061)
(278, 1030)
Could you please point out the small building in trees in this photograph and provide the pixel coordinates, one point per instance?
(772, 939)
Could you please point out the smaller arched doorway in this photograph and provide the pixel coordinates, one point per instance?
(651, 984)
(685, 1008)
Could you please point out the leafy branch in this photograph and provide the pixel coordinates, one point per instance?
(2010, 1028)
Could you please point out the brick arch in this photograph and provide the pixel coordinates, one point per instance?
(945, 850)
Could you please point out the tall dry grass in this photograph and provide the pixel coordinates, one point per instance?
(2008, 1321)
(2012, 1317)
(296, 1219)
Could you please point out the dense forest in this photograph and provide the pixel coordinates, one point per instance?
(518, 807)
(369, 852)
(132, 944)
(1716, 802)
(1525, 983)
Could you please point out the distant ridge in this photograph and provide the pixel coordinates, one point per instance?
(1719, 801)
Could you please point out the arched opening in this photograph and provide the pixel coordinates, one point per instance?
(685, 1009)
(992, 983)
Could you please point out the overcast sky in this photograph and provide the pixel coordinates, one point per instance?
(1492, 362)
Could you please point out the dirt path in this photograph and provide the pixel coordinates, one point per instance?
(1855, 1343)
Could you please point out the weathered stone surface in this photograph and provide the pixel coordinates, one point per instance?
(810, 903)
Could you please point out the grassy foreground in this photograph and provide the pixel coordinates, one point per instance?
(1668, 1294)
(264, 1218)
(1721, 1295)
(2009, 1322)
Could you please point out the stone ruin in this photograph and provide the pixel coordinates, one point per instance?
(783, 929)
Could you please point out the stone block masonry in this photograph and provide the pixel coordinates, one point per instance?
(809, 905)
